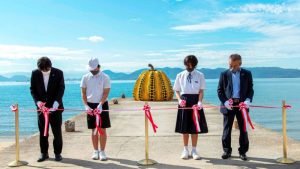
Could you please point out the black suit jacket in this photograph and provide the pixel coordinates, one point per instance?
(55, 89)
(225, 87)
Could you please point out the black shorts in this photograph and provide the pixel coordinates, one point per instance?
(91, 120)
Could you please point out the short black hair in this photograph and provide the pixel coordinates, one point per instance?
(190, 59)
(235, 57)
(44, 63)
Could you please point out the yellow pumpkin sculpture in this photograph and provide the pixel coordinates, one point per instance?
(153, 85)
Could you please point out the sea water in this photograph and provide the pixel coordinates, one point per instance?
(268, 92)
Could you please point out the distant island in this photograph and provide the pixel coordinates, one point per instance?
(258, 72)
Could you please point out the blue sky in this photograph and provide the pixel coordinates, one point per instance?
(127, 35)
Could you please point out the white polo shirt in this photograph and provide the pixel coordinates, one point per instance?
(192, 86)
(95, 85)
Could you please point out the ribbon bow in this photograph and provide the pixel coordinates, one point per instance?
(182, 103)
(196, 117)
(14, 108)
(246, 116)
(149, 116)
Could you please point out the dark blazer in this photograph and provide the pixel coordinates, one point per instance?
(225, 87)
(55, 89)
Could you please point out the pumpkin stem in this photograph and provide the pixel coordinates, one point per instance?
(151, 66)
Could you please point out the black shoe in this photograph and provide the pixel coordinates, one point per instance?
(43, 157)
(243, 157)
(58, 157)
(226, 155)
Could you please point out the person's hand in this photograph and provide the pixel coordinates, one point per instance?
(55, 106)
(200, 106)
(182, 103)
(87, 108)
(99, 107)
(228, 105)
(39, 104)
(247, 103)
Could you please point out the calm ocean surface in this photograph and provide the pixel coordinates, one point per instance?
(267, 92)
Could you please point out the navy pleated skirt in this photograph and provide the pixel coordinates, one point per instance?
(184, 122)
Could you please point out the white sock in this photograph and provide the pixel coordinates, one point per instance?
(186, 148)
(194, 149)
(96, 151)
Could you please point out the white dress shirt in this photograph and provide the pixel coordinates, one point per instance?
(95, 85)
(46, 76)
(236, 84)
(192, 84)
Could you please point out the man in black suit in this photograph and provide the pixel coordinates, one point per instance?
(235, 84)
(47, 86)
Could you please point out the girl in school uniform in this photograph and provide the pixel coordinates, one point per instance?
(189, 87)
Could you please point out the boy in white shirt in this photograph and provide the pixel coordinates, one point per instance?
(95, 87)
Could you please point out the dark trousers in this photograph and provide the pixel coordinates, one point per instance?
(55, 121)
(227, 124)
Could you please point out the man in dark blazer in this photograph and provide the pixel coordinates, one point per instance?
(235, 84)
(47, 86)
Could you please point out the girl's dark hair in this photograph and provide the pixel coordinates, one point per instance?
(190, 59)
(44, 63)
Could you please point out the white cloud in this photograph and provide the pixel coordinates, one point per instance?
(33, 52)
(22, 58)
(6, 62)
(269, 8)
(250, 16)
(230, 20)
(204, 45)
(278, 25)
(153, 54)
(176, 50)
(94, 39)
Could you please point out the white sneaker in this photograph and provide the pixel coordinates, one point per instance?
(184, 154)
(195, 155)
(95, 155)
(102, 156)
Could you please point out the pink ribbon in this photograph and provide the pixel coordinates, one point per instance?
(45, 111)
(149, 116)
(287, 106)
(196, 117)
(230, 102)
(182, 103)
(13, 108)
(246, 116)
(97, 114)
(90, 112)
